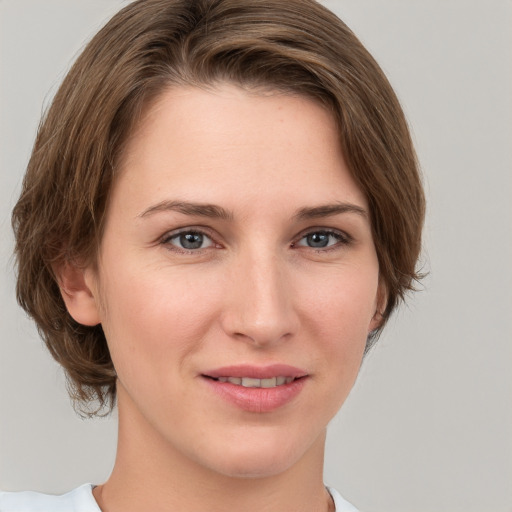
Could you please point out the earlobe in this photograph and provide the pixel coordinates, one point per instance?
(81, 301)
(376, 321)
(381, 303)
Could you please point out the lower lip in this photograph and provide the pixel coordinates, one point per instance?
(257, 399)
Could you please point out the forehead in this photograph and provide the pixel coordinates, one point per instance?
(213, 142)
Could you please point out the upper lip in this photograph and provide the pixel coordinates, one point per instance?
(257, 372)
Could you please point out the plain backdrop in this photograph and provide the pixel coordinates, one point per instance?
(428, 426)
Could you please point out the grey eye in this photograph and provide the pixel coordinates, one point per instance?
(320, 239)
(191, 240)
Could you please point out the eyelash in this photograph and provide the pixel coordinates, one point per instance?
(167, 240)
(342, 239)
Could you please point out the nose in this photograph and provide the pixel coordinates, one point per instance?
(259, 305)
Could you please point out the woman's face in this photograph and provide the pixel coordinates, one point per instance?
(237, 252)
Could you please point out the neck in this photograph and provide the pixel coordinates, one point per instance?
(151, 474)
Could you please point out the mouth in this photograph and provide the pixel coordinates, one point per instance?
(256, 388)
(251, 382)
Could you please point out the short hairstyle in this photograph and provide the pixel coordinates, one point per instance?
(293, 46)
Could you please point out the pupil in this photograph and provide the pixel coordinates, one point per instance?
(191, 240)
(318, 239)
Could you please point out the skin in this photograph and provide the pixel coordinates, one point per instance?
(255, 292)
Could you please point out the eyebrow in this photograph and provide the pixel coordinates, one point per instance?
(328, 210)
(189, 208)
(217, 212)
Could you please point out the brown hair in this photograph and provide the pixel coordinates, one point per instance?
(296, 46)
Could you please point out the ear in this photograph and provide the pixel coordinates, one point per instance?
(80, 297)
(380, 306)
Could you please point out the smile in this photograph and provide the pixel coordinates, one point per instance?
(257, 389)
(250, 382)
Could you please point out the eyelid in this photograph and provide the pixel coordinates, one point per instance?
(172, 234)
(186, 229)
(343, 238)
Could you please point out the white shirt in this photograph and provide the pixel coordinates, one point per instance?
(81, 499)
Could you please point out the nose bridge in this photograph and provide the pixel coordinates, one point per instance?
(261, 306)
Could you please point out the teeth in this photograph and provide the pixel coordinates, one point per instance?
(249, 382)
(269, 383)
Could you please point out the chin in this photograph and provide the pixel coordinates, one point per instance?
(256, 468)
(253, 469)
(262, 457)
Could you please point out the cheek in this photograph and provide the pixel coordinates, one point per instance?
(152, 317)
(341, 303)
(339, 315)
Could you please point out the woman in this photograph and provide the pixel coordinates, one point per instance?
(221, 212)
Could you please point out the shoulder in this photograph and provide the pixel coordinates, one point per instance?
(78, 500)
(342, 505)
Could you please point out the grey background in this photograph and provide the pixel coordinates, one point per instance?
(428, 424)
